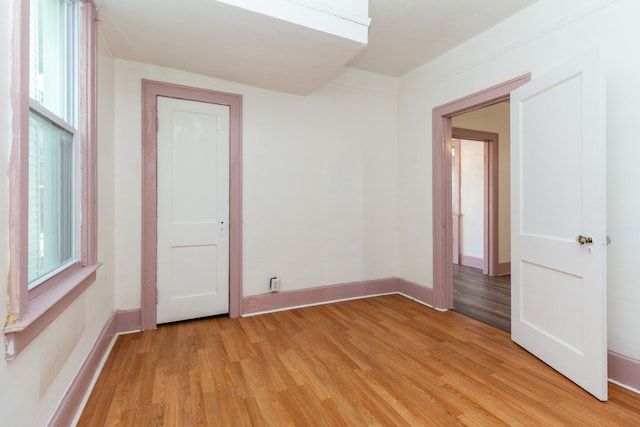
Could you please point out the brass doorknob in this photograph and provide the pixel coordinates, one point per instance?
(584, 240)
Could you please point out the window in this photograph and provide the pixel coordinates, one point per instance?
(52, 176)
(52, 202)
(53, 162)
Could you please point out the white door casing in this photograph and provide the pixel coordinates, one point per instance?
(193, 210)
(558, 185)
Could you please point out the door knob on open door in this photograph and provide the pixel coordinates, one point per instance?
(584, 240)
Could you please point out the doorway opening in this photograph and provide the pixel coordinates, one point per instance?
(442, 178)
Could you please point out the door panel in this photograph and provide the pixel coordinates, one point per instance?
(193, 209)
(558, 193)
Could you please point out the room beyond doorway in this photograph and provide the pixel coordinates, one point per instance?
(481, 214)
(482, 297)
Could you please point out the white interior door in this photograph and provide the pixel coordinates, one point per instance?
(193, 209)
(558, 300)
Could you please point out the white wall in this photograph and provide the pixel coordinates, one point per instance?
(472, 198)
(34, 383)
(495, 119)
(535, 40)
(319, 180)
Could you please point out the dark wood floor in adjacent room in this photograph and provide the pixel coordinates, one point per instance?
(379, 361)
(484, 298)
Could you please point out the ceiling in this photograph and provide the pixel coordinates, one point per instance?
(215, 39)
(405, 34)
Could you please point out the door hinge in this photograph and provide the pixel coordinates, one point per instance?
(156, 296)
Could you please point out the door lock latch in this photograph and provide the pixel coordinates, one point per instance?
(584, 240)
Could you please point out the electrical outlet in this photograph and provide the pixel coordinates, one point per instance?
(274, 284)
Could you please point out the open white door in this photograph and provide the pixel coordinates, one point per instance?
(558, 222)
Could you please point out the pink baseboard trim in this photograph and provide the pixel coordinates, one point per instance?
(120, 321)
(128, 320)
(504, 269)
(73, 398)
(624, 369)
(319, 295)
(416, 292)
(326, 294)
(471, 261)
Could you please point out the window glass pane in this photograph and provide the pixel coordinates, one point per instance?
(51, 198)
(53, 56)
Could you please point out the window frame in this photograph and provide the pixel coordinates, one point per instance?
(30, 312)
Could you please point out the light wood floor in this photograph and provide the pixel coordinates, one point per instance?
(385, 361)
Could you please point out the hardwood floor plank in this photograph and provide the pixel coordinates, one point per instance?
(383, 361)
(484, 298)
(333, 415)
(414, 391)
(406, 412)
(300, 368)
(256, 417)
(150, 415)
(97, 410)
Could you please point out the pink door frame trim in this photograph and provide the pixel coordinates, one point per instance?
(441, 170)
(490, 233)
(150, 92)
